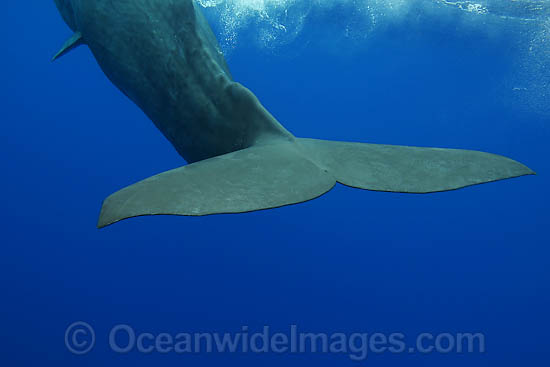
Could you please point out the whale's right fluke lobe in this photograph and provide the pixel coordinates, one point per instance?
(406, 169)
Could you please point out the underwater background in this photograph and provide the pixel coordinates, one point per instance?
(472, 75)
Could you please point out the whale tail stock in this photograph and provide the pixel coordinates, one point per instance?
(284, 173)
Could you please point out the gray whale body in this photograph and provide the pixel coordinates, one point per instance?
(163, 55)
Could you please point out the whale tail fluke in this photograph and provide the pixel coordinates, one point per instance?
(280, 174)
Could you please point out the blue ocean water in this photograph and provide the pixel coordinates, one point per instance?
(470, 75)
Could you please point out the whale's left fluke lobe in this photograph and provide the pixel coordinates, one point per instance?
(255, 178)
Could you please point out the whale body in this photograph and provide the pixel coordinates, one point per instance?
(163, 55)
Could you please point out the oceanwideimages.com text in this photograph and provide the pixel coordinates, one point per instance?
(80, 339)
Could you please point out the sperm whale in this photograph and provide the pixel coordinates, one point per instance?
(163, 55)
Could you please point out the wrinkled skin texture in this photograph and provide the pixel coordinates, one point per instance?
(163, 55)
